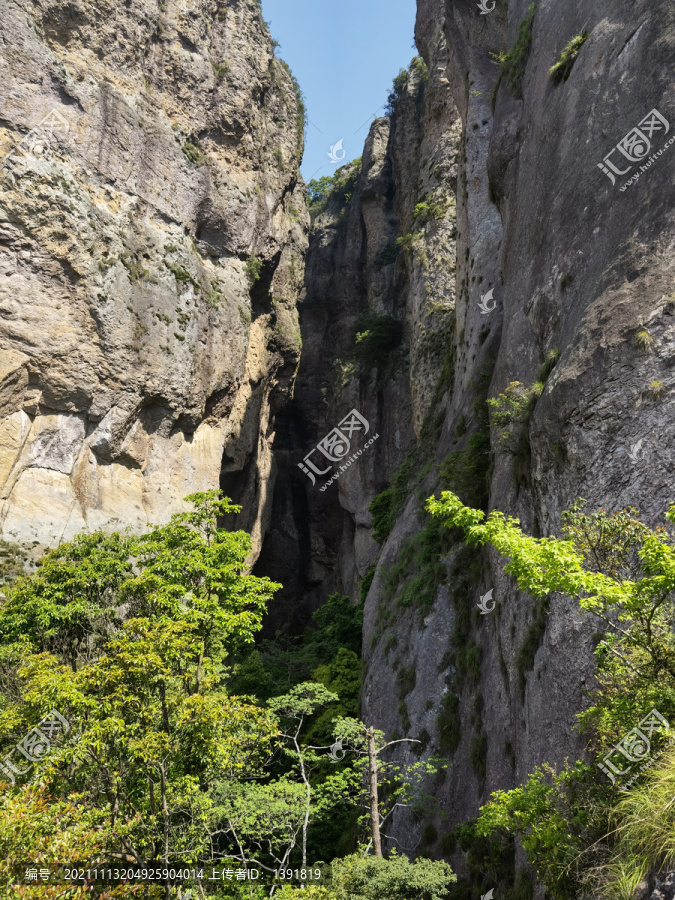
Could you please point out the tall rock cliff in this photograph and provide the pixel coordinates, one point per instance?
(152, 238)
(507, 229)
(489, 220)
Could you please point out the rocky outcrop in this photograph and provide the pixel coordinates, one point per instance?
(519, 259)
(152, 235)
(502, 226)
(399, 297)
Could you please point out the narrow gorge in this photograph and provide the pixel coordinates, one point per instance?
(179, 314)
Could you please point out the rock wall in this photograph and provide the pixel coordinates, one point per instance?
(320, 539)
(514, 247)
(152, 309)
(153, 152)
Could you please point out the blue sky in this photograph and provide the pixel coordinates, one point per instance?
(345, 56)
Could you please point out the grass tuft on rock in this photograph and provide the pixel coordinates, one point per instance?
(560, 72)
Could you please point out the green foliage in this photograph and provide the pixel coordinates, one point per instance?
(343, 678)
(253, 269)
(427, 211)
(644, 341)
(277, 666)
(515, 404)
(407, 241)
(467, 471)
(301, 109)
(656, 390)
(334, 190)
(135, 268)
(405, 680)
(513, 408)
(279, 157)
(220, 69)
(512, 63)
(560, 72)
(319, 190)
(397, 91)
(214, 296)
(623, 572)
(376, 338)
(418, 70)
(396, 878)
(645, 822)
(127, 637)
(418, 568)
(50, 828)
(384, 509)
(548, 365)
(550, 815)
(371, 878)
(69, 604)
(194, 154)
(181, 274)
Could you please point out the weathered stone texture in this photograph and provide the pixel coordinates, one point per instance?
(135, 357)
(575, 265)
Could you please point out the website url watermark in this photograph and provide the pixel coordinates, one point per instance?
(335, 447)
(636, 147)
(635, 747)
(36, 745)
(347, 463)
(37, 144)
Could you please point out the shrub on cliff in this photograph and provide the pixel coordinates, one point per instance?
(560, 72)
(418, 71)
(376, 338)
(512, 62)
(570, 823)
(336, 190)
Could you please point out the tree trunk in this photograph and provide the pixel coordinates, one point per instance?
(165, 821)
(372, 793)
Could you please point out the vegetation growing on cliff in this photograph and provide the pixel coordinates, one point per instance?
(336, 189)
(512, 62)
(578, 833)
(417, 70)
(561, 71)
(376, 339)
(179, 744)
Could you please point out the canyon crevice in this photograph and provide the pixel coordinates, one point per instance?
(481, 222)
(170, 321)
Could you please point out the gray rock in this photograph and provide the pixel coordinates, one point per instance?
(129, 333)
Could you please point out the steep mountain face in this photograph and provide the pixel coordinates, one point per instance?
(492, 222)
(502, 226)
(152, 238)
(377, 318)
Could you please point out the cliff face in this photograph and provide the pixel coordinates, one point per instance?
(519, 259)
(141, 360)
(400, 299)
(152, 244)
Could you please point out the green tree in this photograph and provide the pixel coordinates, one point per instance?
(380, 785)
(127, 638)
(571, 823)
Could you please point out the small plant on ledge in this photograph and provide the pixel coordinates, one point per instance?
(560, 72)
(644, 341)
